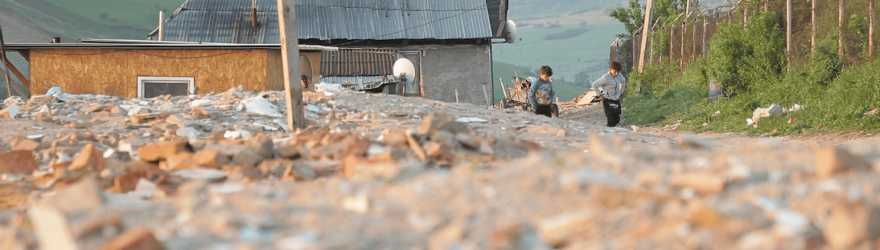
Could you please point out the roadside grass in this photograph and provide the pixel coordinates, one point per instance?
(838, 107)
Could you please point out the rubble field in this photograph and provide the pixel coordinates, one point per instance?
(374, 171)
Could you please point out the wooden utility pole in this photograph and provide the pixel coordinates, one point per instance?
(646, 33)
(840, 30)
(681, 54)
(813, 23)
(871, 28)
(5, 64)
(788, 30)
(672, 42)
(289, 32)
(766, 5)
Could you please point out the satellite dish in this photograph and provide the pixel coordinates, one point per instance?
(510, 31)
(405, 71)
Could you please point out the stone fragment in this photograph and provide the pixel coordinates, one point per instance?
(18, 162)
(71, 214)
(135, 239)
(703, 183)
(157, 152)
(188, 132)
(467, 141)
(210, 159)
(358, 204)
(688, 142)
(226, 149)
(261, 145)
(442, 122)
(289, 152)
(137, 111)
(177, 120)
(200, 113)
(851, 224)
(95, 108)
(445, 138)
(356, 167)
(558, 230)
(210, 175)
(390, 155)
(182, 160)
(395, 138)
(438, 152)
(89, 158)
(832, 160)
(10, 112)
(136, 171)
(246, 158)
(25, 144)
(774, 109)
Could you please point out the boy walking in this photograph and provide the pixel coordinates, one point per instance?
(610, 88)
(541, 94)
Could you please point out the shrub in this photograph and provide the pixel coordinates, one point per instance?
(741, 57)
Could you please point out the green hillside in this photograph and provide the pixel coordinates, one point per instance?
(569, 49)
(118, 19)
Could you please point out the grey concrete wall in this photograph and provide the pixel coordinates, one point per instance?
(463, 67)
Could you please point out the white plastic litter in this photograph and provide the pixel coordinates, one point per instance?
(259, 105)
(750, 122)
(796, 107)
(232, 135)
(471, 120)
(313, 108)
(328, 87)
(200, 103)
(12, 110)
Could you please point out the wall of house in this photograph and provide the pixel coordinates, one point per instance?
(466, 68)
(275, 68)
(106, 71)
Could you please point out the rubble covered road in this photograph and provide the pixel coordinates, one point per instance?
(372, 171)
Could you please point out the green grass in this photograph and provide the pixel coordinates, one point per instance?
(565, 91)
(586, 52)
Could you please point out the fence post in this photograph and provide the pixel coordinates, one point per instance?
(840, 30)
(871, 29)
(646, 33)
(813, 23)
(705, 31)
(694, 41)
(671, 42)
(788, 30)
(746, 14)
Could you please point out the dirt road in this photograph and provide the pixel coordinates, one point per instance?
(388, 172)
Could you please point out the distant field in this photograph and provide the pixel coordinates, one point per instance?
(564, 91)
(583, 51)
(118, 19)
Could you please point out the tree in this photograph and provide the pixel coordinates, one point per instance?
(634, 16)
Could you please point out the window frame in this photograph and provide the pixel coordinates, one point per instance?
(169, 79)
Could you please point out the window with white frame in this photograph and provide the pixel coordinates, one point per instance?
(153, 86)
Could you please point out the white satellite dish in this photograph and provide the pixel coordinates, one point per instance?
(405, 71)
(510, 31)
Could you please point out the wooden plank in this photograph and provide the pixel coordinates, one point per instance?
(645, 33)
(289, 33)
(3, 58)
(19, 75)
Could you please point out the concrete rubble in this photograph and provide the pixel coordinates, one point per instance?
(373, 171)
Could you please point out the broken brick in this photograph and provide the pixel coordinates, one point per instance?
(89, 158)
(246, 158)
(18, 162)
(183, 160)
(137, 171)
(136, 239)
(25, 144)
(831, 161)
(157, 152)
(210, 159)
(442, 122)
(703, 183)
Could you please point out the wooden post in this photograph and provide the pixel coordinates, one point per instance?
(3, 58)
(646, 32)
(289, 33)
(671, 42)
(788, 30)
(456, 96)
(766, 5)
(694, 41)
(681, 54)
(813, 23)
(746, 14)
(486, 94)
(503, 88)
(840, 29)
(871, 28)
(705, 34)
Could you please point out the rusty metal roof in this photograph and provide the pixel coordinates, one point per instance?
(229, 21)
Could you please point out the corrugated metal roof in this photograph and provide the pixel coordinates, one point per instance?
(229, 21)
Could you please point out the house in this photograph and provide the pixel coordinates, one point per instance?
(144, 69)
(449, 42)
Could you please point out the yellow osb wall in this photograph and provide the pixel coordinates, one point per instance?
(115, 72)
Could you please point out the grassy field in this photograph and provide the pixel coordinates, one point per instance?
(587, 51)
(565, 91)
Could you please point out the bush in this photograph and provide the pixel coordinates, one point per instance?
(824, 65)
(741, 57)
